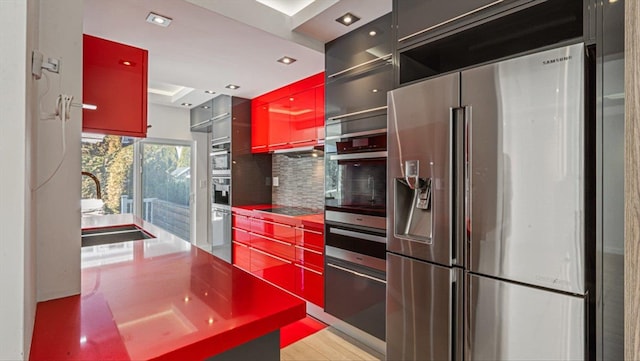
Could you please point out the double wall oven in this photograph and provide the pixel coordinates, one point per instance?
(355, 220)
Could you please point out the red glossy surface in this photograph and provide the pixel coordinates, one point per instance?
(309, 285)
(320, 112)
(311, 239)
(115, 80)
(299, 330)
(291, 116)
(158, 299)
(287, 251)
(242, 256)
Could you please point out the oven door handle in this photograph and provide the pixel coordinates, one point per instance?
(366, 155)
(365, 236)
(356, 273)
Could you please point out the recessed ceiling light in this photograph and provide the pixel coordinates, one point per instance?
(233, 87)
(209, 92)
(373, 33)
(374, 90)
(347, 19)
(286, 60)
(157, 19)
(205, 107)
(186, 104)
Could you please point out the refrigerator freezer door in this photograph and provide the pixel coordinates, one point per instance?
(419, 175)
(526, 168)
(424, 310)
(508, 321)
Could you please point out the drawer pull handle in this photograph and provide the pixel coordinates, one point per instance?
(308, 269)
(272, 256)
(356, 273)
(270, 239)
(308, 250)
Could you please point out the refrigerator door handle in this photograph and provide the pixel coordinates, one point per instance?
(460, 182)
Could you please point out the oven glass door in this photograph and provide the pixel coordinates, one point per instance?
(220, 159)
(357, 183)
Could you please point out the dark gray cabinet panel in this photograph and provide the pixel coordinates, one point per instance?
(200, 117)
(207, 117)
(419, 19)
(360, 49)
(359, 93)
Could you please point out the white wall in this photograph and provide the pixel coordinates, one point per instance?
(58, 201)
(17, 298)
(173, 123)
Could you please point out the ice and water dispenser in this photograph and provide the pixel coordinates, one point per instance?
(414, 212)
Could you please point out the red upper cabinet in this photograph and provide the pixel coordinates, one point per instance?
(259, 126)
(290, 116)
(320, 113)
(115, 80)
(302, 122)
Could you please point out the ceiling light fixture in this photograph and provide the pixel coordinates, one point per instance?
(205, 107)
(287, 60)
(209, 92)
(347, 19)
(186, 104)
(157, 19)
(373, 33)
(232, 87)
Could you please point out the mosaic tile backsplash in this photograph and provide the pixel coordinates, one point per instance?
(301, 181)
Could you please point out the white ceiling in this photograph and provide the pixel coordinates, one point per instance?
(212, 43)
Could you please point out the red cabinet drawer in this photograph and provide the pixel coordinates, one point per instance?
(311, 239)
(241, 256)
(274, 247)
(273, 269)
(310, 258)
(241, 235)
(242, 222)
(281, 232)
(309, 284)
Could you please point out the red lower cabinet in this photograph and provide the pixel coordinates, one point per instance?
(290, 256)
(241, 256)
(276, 270)
(309, 285)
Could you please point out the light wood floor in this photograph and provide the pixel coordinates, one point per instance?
(328, 344)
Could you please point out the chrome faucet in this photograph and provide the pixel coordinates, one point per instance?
(95, 179)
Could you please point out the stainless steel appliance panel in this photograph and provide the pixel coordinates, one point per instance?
(221, 233)
(356, 295)
(424, 310)
(420, 129)
(508, 321)
(526, 176)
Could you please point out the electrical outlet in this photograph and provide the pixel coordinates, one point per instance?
(276, 182)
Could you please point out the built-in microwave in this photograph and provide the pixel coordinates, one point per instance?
(220, 159)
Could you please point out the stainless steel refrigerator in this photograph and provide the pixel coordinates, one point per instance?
(486, 245)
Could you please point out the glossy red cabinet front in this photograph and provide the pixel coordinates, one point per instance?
(287, 254)
(289, 117)
(114, 79)
(241, 256)
(309, 284)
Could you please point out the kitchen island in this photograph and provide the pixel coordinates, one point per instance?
(162, 298)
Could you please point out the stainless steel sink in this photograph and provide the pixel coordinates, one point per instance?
(108, 235)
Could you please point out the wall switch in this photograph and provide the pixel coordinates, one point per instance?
(275, 181)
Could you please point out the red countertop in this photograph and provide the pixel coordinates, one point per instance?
(158, 299)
